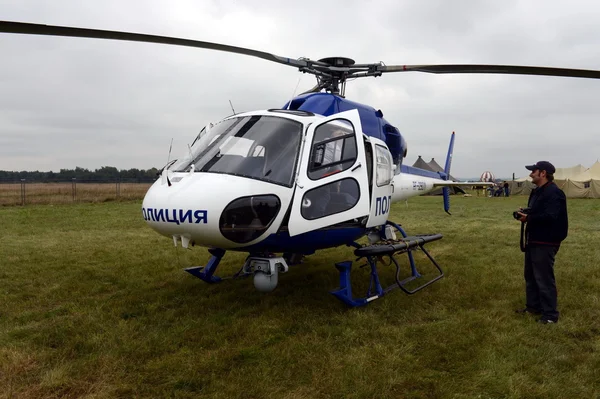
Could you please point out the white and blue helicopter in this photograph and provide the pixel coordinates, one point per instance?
(319, 172)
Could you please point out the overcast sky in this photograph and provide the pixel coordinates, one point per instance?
(67, 102)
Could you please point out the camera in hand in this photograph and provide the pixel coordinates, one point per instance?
(516, 213)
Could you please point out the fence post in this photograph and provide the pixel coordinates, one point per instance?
(74, 188)
(23, 192)
(118, 184)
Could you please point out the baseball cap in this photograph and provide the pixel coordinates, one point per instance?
(542, 165)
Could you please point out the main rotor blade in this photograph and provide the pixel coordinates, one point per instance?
(500, 69)
(52, 30)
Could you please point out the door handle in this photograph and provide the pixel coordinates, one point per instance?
(356, 167)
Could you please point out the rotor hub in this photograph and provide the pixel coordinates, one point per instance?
(333, 74)
(338, 61)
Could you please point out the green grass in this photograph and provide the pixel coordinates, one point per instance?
(94, 304)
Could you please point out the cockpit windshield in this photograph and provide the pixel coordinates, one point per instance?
(260, 147)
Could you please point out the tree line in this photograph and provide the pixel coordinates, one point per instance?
(104, 174)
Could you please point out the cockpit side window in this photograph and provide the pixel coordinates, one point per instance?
(384, 170)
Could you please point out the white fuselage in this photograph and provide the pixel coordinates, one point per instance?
(246, 176)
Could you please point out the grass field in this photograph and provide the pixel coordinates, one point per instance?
(68, 193)
(94, 304)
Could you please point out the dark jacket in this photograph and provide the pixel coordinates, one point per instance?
(547, 220)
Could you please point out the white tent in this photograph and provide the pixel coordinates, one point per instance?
(521, 186)
(576, 182)
(566, 173)
(563, 175)
(585, 184)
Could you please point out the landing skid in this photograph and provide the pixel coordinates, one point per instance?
(266, 267)
(373, 253)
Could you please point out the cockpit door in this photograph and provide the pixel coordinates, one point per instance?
(332, 184)
(381, 180)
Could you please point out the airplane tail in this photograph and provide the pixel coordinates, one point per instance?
(446, 190)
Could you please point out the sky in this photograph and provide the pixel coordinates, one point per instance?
(72, 102)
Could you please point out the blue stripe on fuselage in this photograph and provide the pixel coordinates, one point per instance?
(307, 243)
(411, 170)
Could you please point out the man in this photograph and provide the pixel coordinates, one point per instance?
(547, 227)
(506, 188)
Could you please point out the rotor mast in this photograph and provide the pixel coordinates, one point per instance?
(333, 72)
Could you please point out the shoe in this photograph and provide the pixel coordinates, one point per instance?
(528, 311)
(547, 321)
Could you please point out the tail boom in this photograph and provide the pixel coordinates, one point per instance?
(408, 185)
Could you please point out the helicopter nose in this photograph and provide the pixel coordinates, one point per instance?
(190, 211)
(164, 211)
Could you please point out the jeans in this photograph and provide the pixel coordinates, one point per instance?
(540, 284)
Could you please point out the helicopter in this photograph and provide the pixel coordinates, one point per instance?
(320, 171)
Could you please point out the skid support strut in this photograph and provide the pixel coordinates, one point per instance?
(206, 273)
(374, 253)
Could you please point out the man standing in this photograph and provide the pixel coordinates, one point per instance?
(547, 226)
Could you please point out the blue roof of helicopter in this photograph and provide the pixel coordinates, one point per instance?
(373, 123)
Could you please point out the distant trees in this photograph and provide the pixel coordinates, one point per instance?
(104, 174)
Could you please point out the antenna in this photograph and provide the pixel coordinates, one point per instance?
(232, 107)
(170, 147)
(167, 165)
(294, 93)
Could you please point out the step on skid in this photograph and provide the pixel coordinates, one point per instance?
(374, 253)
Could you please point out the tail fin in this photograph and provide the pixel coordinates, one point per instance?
(446, 190)
(449, 156)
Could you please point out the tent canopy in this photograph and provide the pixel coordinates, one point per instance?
(567, 173)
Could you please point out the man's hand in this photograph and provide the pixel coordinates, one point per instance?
(523, 217)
